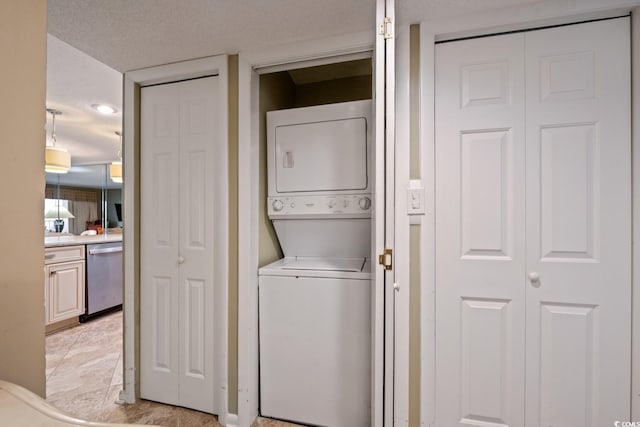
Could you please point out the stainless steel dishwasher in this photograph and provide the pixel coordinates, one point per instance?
(104, 279)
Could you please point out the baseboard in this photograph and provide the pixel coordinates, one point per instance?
(125, 396)
(61, 325)
(230, 420)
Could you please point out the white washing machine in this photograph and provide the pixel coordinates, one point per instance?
(315, 303)
(315, 341)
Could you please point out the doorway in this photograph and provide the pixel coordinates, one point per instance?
(134, 81)
(251, 67)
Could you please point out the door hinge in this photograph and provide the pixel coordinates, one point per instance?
(386, 259)
(386, 28)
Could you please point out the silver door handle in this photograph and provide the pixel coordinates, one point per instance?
(105, 251)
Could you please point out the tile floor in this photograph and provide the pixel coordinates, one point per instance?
(84, 377)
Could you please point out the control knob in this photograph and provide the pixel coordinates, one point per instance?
(277, 205)
(364, 203)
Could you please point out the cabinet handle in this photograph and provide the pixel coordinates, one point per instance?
(53, 273)
(180, 260)
(49, 256)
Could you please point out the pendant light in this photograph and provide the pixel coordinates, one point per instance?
(115, 168)
(57, 160)
(58, 212)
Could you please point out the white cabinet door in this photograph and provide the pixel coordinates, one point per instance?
(533, 225)
(178, 189)
(578, 167)
(65, 291)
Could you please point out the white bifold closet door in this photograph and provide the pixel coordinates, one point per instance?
(178, 145)
(533, 228)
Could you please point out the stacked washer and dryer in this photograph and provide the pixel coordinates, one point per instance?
(315, 303)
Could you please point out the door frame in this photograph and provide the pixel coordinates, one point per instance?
(491, 22)
(250, 65)
(132, 82)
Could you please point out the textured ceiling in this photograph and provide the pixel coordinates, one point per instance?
(75, 81)
(94, 41)
(128, 35)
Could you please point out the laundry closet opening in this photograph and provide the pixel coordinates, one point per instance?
(315, 227)
(303, 87)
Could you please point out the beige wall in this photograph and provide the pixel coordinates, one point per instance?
(337, 90)
(23, 41)
(233, 235)
(414, 232)
(276, 92)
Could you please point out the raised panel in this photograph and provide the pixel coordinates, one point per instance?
(196, 122)
(484, 84)
(195, 328)
(569, 175)
(568, 365)
(486, 199)
(485, 362)
(63, 253)
(66, 291)
(567, 77)
(162, 120)
(161, 297)
(195, 206)
(163, 174)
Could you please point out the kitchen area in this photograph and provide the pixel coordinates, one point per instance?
(83, 231)
(83, 262)
(83, 194)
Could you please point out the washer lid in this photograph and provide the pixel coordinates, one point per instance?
(324, 264)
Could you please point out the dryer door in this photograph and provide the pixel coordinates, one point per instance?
(322, 156)
(319, 150)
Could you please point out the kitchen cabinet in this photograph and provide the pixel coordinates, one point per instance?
(64, 283)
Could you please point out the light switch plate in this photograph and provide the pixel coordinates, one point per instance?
(415, 198)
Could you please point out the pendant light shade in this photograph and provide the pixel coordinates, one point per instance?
(115, 172)
(115, 168)
(57, 160)
(58, 212)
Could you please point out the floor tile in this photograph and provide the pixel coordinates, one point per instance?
(84, 379)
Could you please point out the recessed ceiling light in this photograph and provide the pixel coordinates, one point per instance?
(104, 108)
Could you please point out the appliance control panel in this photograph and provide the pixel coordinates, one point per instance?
(320, 205)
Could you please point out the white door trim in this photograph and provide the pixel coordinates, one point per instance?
(635, 211)
(250, 64)
(401, 245)
(131, 188)
(508, 19)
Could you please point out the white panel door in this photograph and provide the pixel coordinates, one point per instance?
(533, 228)
(480, 232)
(159, 243)
(383, 154)
(178, 137)
(578, 166)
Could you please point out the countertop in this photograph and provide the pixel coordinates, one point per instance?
(54, 241)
